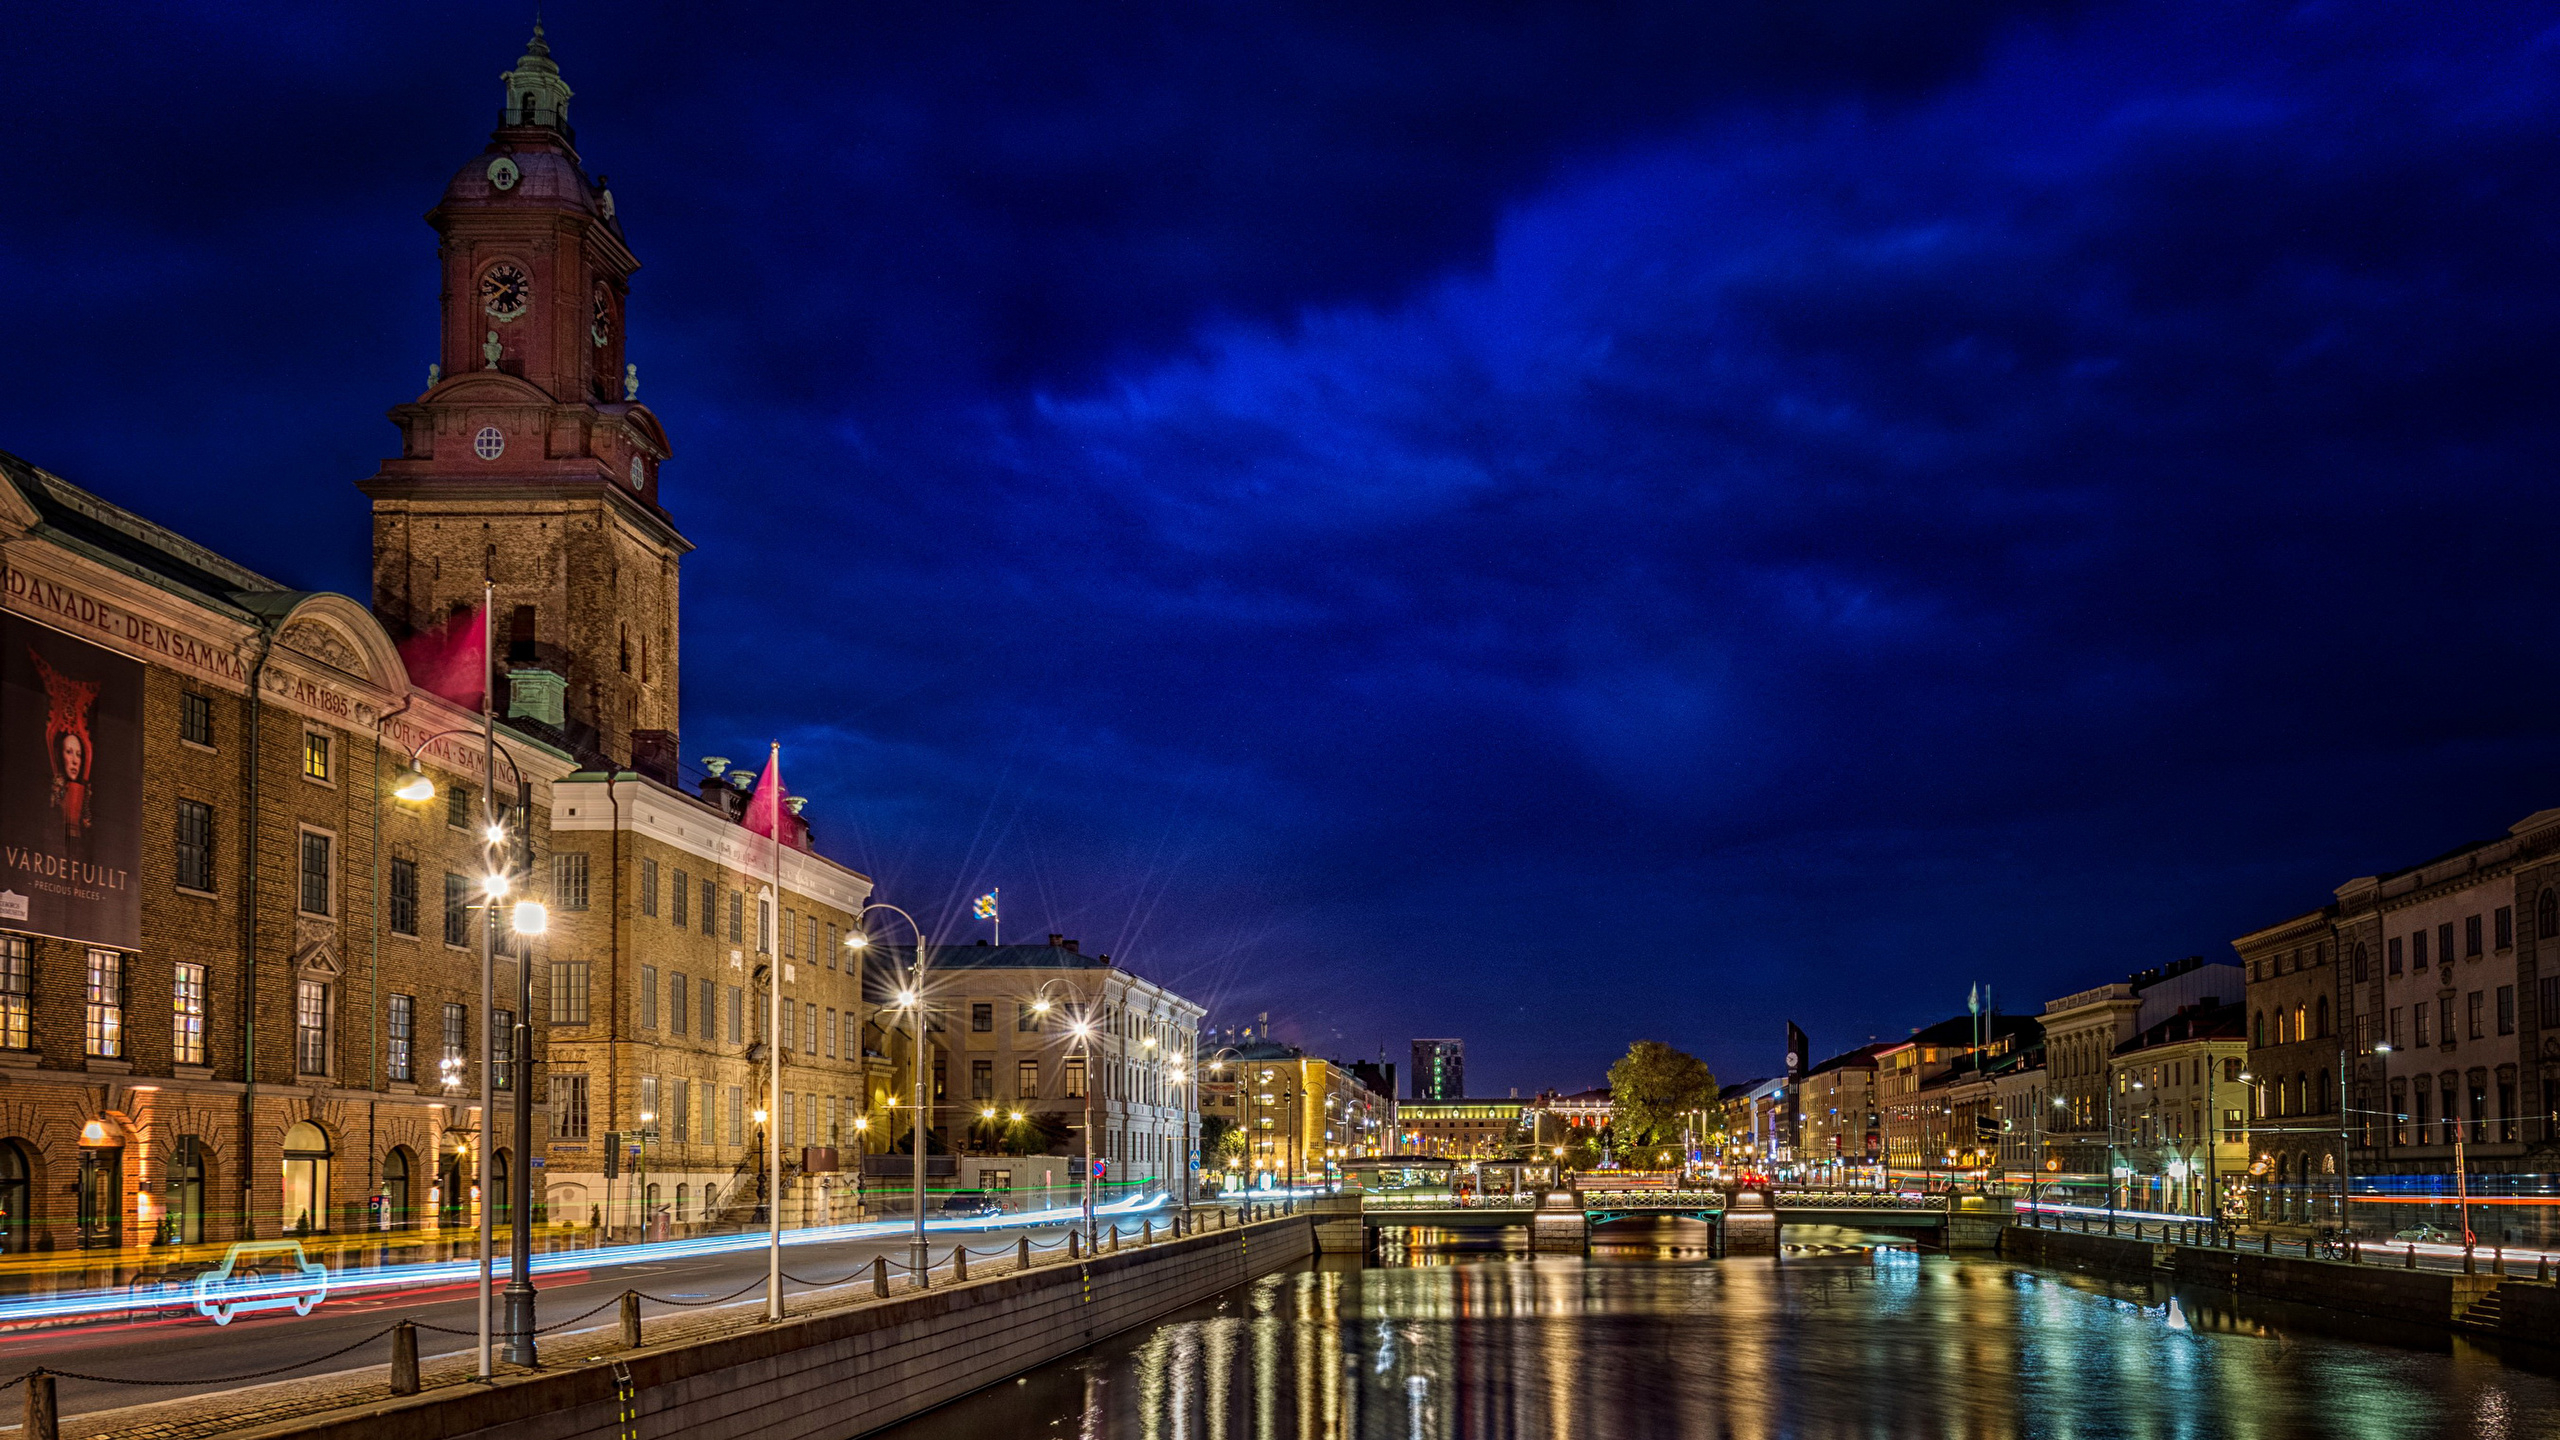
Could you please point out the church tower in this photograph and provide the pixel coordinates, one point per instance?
(530, 460)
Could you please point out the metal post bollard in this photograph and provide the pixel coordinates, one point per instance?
(1146, 1232)
(44, 1421)
(631, 1319)
(2409, 1259)
(880, 1276)
(1022, 1253)
(2267, 1242)
(1115, 1239)
(404, 1359)
(2470, 1266)
(2542, 1267)
(2498, 1259)
(1074, 1244)
(959, 1263)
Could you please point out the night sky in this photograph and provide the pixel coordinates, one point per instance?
(1547, 524)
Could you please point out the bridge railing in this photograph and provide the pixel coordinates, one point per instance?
(1653, 1199)
(1852, 1200)
(1448, 1202)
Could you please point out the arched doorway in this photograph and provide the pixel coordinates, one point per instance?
(17, 1191)
(683, 1215)
(306, 1179)
(453, 1192)
(184, 1202)
(398, 1210)
(506, 1195)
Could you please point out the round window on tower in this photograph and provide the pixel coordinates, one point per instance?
(638, 472)
(490, 443)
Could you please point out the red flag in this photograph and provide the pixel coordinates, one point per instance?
(765, 815)
(451, 660)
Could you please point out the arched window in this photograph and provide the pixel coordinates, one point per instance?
(2362, 963)
(2258, 1029)
(506, 1193)
(2320, 1018)
(683, 1214)
(527, 110)
(306, 1180)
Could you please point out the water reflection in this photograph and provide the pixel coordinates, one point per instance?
(1642, 1341)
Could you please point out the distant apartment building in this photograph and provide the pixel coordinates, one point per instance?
(1928, 1123)
(2182, 1132)
(1462, 1129)
(1439, 1069)
(1841, 1128)
(2082, 1032)
(1300, 1115)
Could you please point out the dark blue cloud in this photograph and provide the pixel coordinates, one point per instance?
(1523, 524)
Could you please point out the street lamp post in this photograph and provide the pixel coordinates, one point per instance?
(913, 998)
(529, 917)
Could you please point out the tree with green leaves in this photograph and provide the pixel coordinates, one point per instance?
(1650, 1088)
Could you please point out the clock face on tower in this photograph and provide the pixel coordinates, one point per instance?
(601, 331)
(505, 291)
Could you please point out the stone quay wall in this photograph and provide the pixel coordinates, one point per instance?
(2435, 1297)
(827, 1376)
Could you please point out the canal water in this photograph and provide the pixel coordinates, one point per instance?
(1643, 1340)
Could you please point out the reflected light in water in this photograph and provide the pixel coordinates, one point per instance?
(1625, 1343)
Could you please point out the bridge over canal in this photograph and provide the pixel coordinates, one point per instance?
(1743, 1223)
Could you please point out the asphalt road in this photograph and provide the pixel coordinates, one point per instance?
(190, 1355)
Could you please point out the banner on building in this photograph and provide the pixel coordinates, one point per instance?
(70, 787)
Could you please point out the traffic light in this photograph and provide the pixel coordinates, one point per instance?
(612, 1155)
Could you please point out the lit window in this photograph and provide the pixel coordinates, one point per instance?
(186, 1037)
(104, 1030)
(315, 755)
(311, 1027)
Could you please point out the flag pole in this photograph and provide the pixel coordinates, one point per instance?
(773, 1049)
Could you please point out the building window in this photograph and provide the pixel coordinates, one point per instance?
(2476, 1004)
(310, 1027)
(2503, 921)
(404, 896)
(17, 992)
(568, 992)
(648, 886)
(457, 1035)
(195, 845)
(1025, 1019)
(2418, 1015)
(790, 1022)
(2444, 943)
(737, 916)
(186, 1018)
(502, 1049)
(195, 719)
(2391, 955)
(1074, 1086)
(569, 879)
(104, 1032)
(737, 1015)
(2418, 949)
(315, 755)
(791, 935)
(648, 1104)
(679, 993)
(809, 1032)
(1026, 1079)
(710, 907)
(831, 1032)
(2471, 935)
(2445, 1032)
(457, 910)
(457, 806)
(809, 938)
(680, 1111)
(681, 893)
(648, 998)
(706, 1017)
(404, 1037)
(764, 926)
(2548, 988)
(737, 1115)
(568, 1105)
(315, 873)
(2506, 1009)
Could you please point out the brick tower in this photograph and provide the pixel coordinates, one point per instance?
(529, 460)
